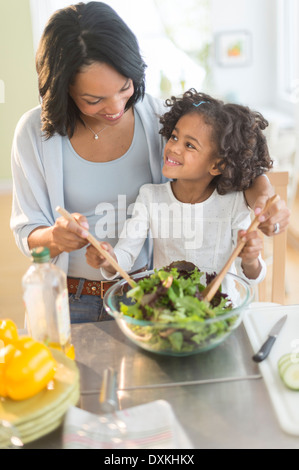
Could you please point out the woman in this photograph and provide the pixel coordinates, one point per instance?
(90, 146)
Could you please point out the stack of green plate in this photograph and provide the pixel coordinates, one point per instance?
(41, 414)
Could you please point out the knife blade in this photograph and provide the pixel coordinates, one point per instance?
(267, 346)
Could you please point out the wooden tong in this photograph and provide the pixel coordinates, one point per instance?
(209, 292)
(97, 245)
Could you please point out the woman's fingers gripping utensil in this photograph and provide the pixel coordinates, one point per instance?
(209, 292)
(98, 246)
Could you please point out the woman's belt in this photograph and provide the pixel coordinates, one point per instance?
(94, 287)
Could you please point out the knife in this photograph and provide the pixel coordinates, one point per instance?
(267, 346)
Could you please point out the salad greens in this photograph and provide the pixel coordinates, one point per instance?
(171, 298)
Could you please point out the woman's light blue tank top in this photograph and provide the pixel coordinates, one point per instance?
(105, 193)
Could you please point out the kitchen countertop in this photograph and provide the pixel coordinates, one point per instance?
(230, 414)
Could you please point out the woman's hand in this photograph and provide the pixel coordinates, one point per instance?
(67, 236)
(276, 219)
(96, 260)
(253, 246)
(62, 236)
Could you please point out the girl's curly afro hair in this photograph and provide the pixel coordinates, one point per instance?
(240, 144)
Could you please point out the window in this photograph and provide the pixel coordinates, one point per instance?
(175, 38)
(288, 49)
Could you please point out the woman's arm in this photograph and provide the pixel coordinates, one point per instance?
(257, 196)
(38, 189)
(261, 187)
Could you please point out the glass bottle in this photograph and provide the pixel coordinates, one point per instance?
(46, 301)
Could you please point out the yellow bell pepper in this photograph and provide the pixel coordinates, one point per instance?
(8, 332)
(6, 353)
(27, 368)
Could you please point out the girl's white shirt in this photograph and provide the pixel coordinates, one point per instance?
(204, 233)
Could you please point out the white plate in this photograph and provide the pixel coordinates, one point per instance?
(258, 321)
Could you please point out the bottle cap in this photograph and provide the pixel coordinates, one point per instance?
(40, 254)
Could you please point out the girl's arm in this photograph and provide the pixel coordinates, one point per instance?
(257, 196)
(250, 254)
(249, 262)
(96, 260)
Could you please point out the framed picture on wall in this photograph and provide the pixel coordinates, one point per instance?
(233, 48)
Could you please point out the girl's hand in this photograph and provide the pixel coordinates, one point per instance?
(278, 213)
(250, 253)
(67, 236)
(96, 260)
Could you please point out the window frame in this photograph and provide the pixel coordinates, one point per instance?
(288, 50)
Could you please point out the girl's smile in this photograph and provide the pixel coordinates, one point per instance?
(171, 161)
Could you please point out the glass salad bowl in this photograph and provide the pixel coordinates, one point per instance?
(165, 315)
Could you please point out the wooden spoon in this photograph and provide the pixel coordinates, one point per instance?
(97, 245)
(209, 292)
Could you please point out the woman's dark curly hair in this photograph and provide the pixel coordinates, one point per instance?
(77, 36)
(236, 133)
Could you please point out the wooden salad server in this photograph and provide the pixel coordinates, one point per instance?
(97, 245)
(209, 292)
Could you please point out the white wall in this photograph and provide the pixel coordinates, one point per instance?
(18, 79)
(252, 84)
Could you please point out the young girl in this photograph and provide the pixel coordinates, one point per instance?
(213, 153)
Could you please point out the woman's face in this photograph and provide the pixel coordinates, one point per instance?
(101, 93)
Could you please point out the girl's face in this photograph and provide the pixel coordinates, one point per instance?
(189, 152)
(101, 93)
